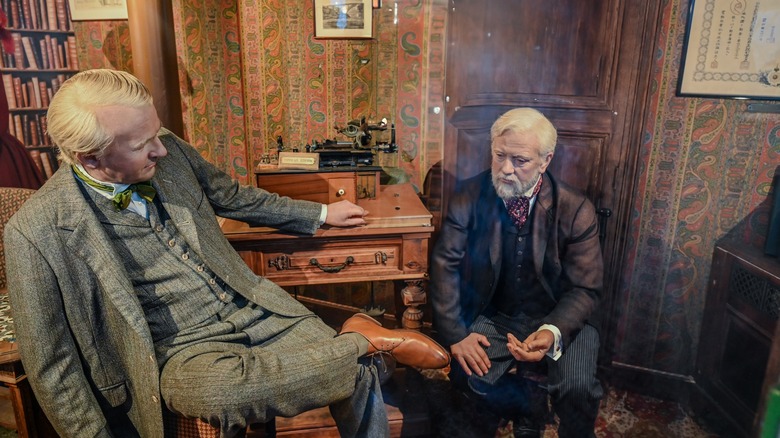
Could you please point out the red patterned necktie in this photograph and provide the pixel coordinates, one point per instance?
(518, 207)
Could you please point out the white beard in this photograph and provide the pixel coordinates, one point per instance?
(513, 190)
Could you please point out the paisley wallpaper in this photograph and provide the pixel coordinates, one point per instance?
(706, 165)
(251, 70)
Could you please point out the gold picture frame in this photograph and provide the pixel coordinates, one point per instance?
(97, 10)
(343, 18)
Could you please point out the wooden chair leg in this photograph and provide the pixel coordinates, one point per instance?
(22, 402)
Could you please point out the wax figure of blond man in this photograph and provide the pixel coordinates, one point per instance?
(126, 303)
(508, 285)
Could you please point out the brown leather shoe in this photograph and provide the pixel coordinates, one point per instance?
(408, 347)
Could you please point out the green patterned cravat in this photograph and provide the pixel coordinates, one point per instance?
(122, 199)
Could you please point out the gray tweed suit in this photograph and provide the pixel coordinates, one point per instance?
(82, 333)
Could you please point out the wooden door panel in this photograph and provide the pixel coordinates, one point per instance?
(577, 163)
(527, 51)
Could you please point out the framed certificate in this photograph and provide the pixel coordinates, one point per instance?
(732, 50)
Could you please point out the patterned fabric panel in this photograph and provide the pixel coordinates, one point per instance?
(182, 427)
(11, 198)
(6, 319)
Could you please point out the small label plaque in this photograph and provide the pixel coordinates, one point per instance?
(299, 160)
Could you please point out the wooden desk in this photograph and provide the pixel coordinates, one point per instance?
(393, 246)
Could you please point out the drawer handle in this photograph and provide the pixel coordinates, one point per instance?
(332, 269)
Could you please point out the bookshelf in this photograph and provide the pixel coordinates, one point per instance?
(44, 55)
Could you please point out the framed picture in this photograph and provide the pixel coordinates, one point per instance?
(96, 10)
(343, 18)
(731, 50)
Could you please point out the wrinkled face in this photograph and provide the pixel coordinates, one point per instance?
(517, 163)
(133, 155)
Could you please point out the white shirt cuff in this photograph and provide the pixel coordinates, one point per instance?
(557, 349)
(323, 214)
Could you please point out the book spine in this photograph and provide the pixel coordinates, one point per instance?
(62, 15)
(8, 85)
(44, 93)
(27, 95)
(46, 161)
(18, 50)
(33, 5)
(26, 14)
(44, 54)
(47, 41)
(36, 92)
(30, 52)
(18, 127)
(51, 14)
(44, 19)
(36, 157)
(32, 127)
(73, 53)
(45, 130)
(18, 92)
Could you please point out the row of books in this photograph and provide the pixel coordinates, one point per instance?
(33, 93)
(46, 53)
(37, 14)
(30, 129)
(45, 160)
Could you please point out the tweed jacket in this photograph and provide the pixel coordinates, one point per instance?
(85, 344)
(466, 260)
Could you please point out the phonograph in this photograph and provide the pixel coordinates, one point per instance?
(358, 149)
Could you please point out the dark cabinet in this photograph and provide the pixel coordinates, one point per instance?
(739, 347)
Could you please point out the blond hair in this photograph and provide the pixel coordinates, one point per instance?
(527, 121)
(72, 121)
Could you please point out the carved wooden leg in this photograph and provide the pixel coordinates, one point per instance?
(413, 296)
(21, 400)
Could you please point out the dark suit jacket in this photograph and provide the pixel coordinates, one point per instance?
(84, 341)
(466, 260)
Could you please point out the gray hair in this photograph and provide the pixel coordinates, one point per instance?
(527, 120)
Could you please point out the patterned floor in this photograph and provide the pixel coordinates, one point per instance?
(622, 415)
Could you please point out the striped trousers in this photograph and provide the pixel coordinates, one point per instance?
(571, 380)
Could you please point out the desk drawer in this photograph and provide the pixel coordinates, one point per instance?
(336, 264)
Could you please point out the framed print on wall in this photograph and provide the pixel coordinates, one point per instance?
(731, 50)
(342, 18)
(97, 10)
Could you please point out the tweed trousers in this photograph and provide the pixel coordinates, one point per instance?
(233, 384)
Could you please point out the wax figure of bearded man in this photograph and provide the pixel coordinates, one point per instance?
(517, 273)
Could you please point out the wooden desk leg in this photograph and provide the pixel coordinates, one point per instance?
(21, 400)
(413, 296)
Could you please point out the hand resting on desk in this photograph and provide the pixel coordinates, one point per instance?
(345, 214)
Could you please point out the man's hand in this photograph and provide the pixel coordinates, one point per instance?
(470, 353)
(345, 214)
(533, 348)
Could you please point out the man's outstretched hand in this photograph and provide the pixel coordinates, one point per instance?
(345, 214)
(533, 348)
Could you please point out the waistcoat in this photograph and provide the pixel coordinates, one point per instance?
(182, 300)
(519, 291)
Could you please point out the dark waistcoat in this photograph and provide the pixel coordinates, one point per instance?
(519, 292)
